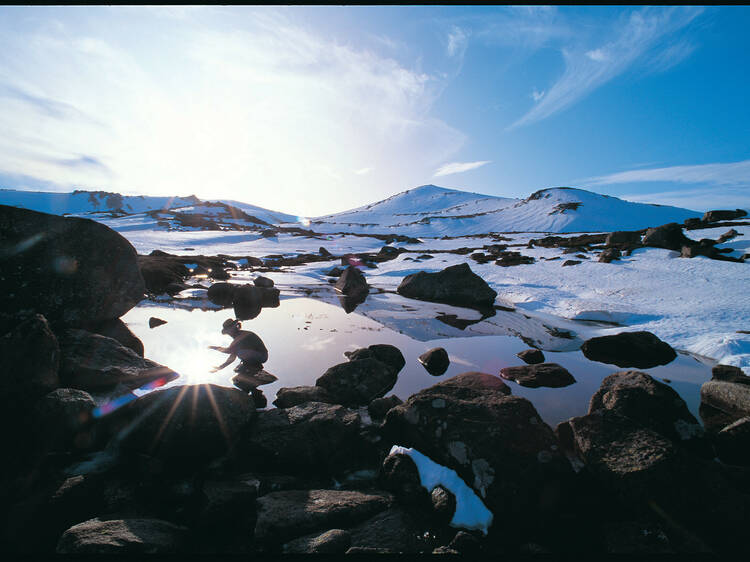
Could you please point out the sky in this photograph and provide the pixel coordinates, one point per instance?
(314, 110)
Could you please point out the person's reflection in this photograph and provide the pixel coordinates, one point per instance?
(252, 354)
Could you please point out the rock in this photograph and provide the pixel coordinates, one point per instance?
(264, 282)
(269, 297)
(732, 398)
(379, 407)
(357, 383)
(654, 405)
(635, 537)
(388, 354)
(509, 259)
(323, 252)
(63, 421)
(629, 349)
(219, 273)
(570, 262)
(120, 536)
(96, 363)
(334, 272)
(247, 302)
(312, 437)
(352, 282)
(549, 375)
(733, 442)
(729, 373)
(334, 541)
(435, 361)
(288, 397)
(71, 270)
(221, 293)
(531, 356)
(668, 236)
(456, 284)
(698, 250)
(399, 475)
(393, 530)
(497, 443)
(609, 254)
(715, 216)
(728, 235)
(622, 237)
(443, 504)
(465, 543)
(693, 223)
(223, 501)
(389, 251)
(153, 322)
(117, 330)
(188, 423)
(252, 261)
(29, 362)
(160, 272)
(285, 515)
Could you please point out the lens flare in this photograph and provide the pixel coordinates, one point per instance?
(111, 405)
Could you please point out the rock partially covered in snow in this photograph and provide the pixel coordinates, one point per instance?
(714, 216)
(70, 270)
(456, 284)
(668, 236)
(629, 349)
(549, 375)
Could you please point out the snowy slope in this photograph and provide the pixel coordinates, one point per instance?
(434, 211)
(267, 215)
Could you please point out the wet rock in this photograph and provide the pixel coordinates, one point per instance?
(497, 443)
(312, 437)
(334, 541)
(96, 363)
(609, 254)
(153, 322)
(352, 282)
(379, 407)
(531, 356)
(286, 515)
(62, 421)
(221, 293)
(117, 330)
(393, 530)
(456, 284)
(668, 236)
(550, 375)
(733, 442)
(728, 235)
(654, 405)
(29, 362)
(570, 262)
(443, 504)
(715, 216)
(388, 354)
(264, 282)
(294, 396)
(629, 349)
(622, 237)
(71, 270)
(360, 381)
(731, 398)
(188, 423)
(435, 361)
(123, 536)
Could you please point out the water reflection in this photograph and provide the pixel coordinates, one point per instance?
(306, 336)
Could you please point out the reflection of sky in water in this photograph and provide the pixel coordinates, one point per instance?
(305, 337)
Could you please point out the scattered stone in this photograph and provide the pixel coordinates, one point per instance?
(550, 375)
(71, 270)
(286, 515)
(456, 284)
(123, 536)
(668, 236)
(153, 322)
(335, 272)
(352, 282)
(264, 282)
(531, 356)
(294, 396)
(609, 254)
(733, 442)
(510, 259)
(629, 349)
(96, 363)
(570, 262)
(623, 237)
(715, 216)
(728, 235)
(435, 361)
(334, 541)
(379, 407)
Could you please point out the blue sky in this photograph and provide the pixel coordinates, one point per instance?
(313, 110)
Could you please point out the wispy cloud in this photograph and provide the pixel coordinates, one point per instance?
(719, 174)
(363, 171)
(648, 31)
(458, 167)
(458, 40)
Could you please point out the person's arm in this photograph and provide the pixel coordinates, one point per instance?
(229, 360)
(219, 348)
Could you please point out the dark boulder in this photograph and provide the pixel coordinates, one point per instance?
(399, 475)
(247, 302)
(456, 284)
(333, 541)
(286, 515)
(71, 270)
(732, 398)
(191, 422)
(117, 330)
(221, 293)
(123, 536)
(549, 375)
(159, 272)
(224, 501)
(609, 254)
(334, 272)
(357, 383)
(96, 363)
(394, 530)
(388, 354)
(622, 237)
(629, 349)
(352, 282)
(443, 504)
(154, 322)
(654, 405)
(312, 437)
(63, 421)
(531, 356)
(668, 236)
(379, 407)
(219, 274)
(728, 235)
(264, 282)
(510, 259)
(715, 216)
(733, 442)
(435, 361)
(729, 373)
(294, 396)
(325, 253)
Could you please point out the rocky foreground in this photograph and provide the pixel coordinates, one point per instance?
(201, 469)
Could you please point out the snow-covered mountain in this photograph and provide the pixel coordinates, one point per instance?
(435, 211)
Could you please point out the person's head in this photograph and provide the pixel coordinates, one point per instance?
(231, 327)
